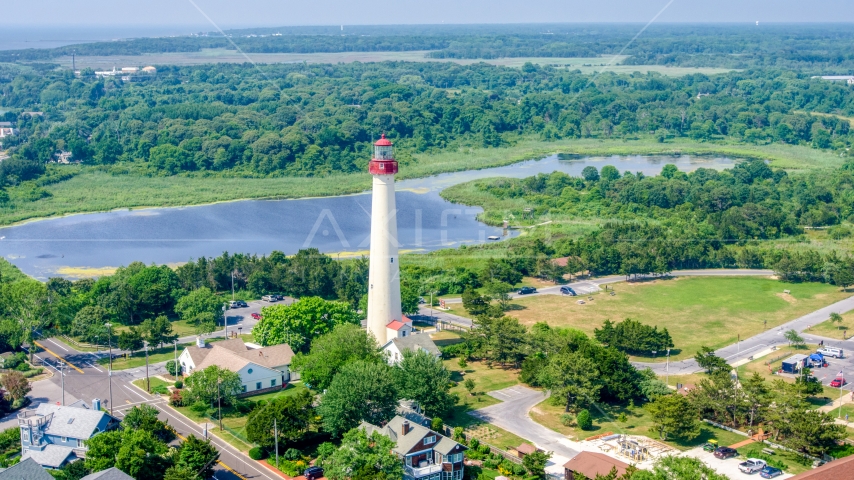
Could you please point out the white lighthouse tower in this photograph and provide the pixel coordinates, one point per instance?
(385, 320)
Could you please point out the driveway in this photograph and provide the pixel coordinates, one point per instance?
(728, 467)
(512, 415)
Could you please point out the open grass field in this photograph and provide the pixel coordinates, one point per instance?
(486, 379)
(156, 384)
(155, 355)
(836, 330)
(94, 191)
(606, 418)
(697, 311)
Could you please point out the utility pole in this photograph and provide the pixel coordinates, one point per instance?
(147, 379)
(232, 284)
(276, 440)
(176, 359)
(219, 401)
(110, 371)
(667, 369)
(225, 319)
(62, 376)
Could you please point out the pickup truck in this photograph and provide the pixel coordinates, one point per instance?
(752, 465)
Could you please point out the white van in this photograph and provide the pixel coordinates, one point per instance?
(830, 352)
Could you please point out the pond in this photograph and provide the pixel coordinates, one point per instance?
(95, 244)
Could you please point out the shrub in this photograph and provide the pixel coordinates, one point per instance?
(22, 367)
(160, 390)
(458, 435)
(484, 449)
(256, 453)
(622, 417)
(490, 463)
(585, 422)
(176, 399)
(462, 362)
(437, 425)
(173, 368)
(473, 444)
(179, 384)
(566, 420)
(292, 454)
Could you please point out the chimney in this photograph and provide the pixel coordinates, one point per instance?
(96, 404)
(405, 429)
(200, 342)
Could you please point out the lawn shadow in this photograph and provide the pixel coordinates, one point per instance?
(515, 307)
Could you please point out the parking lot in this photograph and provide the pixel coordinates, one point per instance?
(728, 467)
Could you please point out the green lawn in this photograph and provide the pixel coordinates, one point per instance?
(155, 355)
(835, 330)
(234, 440)
(606, 419)
(156, 384)
(697, 311)
(291, 389)
(787, 461)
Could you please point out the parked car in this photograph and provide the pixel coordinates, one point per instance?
(312, 473)
(831, 352)
(838, 382)
(256, 315)
(566, 290)
(770, 472)
(527, 290)
(752, 465)
(270, 298)
(710, 446)
(421, 300)
(237, 304)
(279, 298)
(725, 452)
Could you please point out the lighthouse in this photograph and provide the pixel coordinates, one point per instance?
(385, 320)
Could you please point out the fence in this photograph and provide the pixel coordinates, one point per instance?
(449, 432)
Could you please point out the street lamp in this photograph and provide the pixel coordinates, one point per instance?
(110, 372)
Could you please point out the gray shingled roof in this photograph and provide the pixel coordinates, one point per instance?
(112, 473)
(69, 421)
(26, 469)
(406, 443)
(51, 456)
(412, 342)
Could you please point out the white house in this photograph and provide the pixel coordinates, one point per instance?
(261, 369)
(395, 347)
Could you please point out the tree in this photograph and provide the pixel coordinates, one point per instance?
(173, 368)
(329, 352)
(16, 385)
(409, 300)
(197, 456)
(756, 397)
(179, 473)
(470, 385)
(28, 303)
(89, 323)
(536, 462)
(158, 331)
(422, 377)
(141, 455)
(674, 415)
(590, 174)
(144, 417)
(301, 322)
(678, 468)
(101, 450)
(201, 308)
(475, 303)
(793, 337)
(584, 420)
(572, 379)
(836, 318)
(811, 431)
(71, 471)
(292, 414)
(362, 391)
(498, 291)
(500, 339)
(211, 384)
(710, 362)
(130, 340)
(364, 457)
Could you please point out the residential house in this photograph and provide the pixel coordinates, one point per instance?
(426, 455)
(53, 435)
(841, 469)
(112, 473)
(395, 347)
(590, 464)
(261, 369)
(26, 469)
(6, 130)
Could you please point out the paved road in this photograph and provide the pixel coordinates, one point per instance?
(773, 337)
(512, 415)
(93, 381)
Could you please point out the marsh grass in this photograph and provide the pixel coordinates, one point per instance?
(92, 190)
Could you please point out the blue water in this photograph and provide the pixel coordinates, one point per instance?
(62, 246)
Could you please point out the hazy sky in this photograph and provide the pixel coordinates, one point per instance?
(238, 13)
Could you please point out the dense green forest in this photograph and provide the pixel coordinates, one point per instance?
(314, 120)
(812, 47)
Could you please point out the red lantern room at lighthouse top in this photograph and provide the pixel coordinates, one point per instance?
(383, 162)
